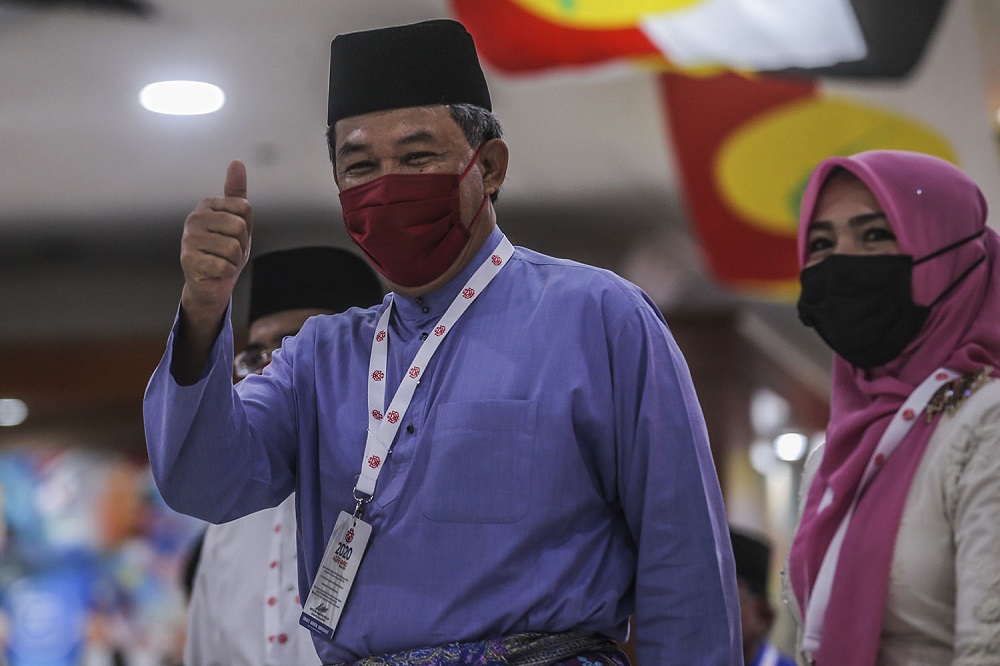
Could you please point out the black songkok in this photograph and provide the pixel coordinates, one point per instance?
(325, 278)
(753, 559)
(421, 64)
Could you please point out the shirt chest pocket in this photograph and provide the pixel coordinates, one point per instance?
(480, 463)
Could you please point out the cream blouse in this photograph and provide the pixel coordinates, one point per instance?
(944, 593)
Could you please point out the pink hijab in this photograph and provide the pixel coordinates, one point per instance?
(929, 204)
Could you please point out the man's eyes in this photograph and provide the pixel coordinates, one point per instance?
(419, 157)
(354, 167)
(416, 157)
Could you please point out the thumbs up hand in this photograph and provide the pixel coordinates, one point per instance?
(215, 247)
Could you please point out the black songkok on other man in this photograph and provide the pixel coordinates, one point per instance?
(753, 559)
(325, 278)
(421, 64)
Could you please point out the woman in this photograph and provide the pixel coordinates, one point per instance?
(896, 559)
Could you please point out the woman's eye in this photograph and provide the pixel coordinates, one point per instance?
(818, 244)
(875, 234)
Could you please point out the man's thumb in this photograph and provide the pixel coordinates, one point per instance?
(236, 180)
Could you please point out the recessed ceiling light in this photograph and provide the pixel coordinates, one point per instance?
(12, 411)
(182, 98)
(791, 446)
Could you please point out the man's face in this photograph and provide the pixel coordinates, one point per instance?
(413, 140)
(266, 334)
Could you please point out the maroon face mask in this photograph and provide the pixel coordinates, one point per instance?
(409, 225)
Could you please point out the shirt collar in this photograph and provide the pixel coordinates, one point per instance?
(434, 304)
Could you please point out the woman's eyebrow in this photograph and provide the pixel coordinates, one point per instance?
(859, 220)
(856, 221)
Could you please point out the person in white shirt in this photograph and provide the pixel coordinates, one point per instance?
(244, 608)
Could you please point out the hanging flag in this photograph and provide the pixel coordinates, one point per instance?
(869, 38)
(515, 38)
(744, 143)
(745, 146)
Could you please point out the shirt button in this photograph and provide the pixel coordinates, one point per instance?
(423, 336)
(274, 564)
(410, 429)
(271, 601)
(425, 309)
(282, 638)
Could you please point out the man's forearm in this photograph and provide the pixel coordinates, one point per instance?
(197, 329)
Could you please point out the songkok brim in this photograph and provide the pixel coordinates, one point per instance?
(421, 64)
(324, 278)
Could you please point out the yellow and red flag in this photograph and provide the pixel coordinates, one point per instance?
(745, 139)
(832, 37)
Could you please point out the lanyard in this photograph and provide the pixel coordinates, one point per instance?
(891, 438)
(384, 424)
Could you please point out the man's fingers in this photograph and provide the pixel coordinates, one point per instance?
(215, 245)
(236, 180)
(222, 222)
(233, 248)
(236, 186)
(214, 229)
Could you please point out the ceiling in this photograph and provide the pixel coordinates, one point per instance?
(94, 189)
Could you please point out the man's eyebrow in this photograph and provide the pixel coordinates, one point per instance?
(418, 136)
(350, 148)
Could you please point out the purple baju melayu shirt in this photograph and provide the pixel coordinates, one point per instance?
(552, 472)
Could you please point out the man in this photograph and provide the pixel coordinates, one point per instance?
(501, 462)
(244, 608)
(753, 562)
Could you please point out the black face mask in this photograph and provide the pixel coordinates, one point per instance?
(862, 305)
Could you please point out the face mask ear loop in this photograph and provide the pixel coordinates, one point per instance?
(957, 281)
(468, 168)
(949, 248)
(485, 196)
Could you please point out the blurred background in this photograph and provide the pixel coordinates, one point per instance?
(667, 140)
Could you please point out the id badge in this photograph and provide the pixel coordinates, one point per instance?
(325, 603)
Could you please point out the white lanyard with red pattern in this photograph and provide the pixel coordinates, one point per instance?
(349, 538)
(819, 597)
(383, 425)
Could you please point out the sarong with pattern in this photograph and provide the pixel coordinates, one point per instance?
(529, 649)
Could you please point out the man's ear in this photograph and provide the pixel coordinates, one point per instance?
(493, 157)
